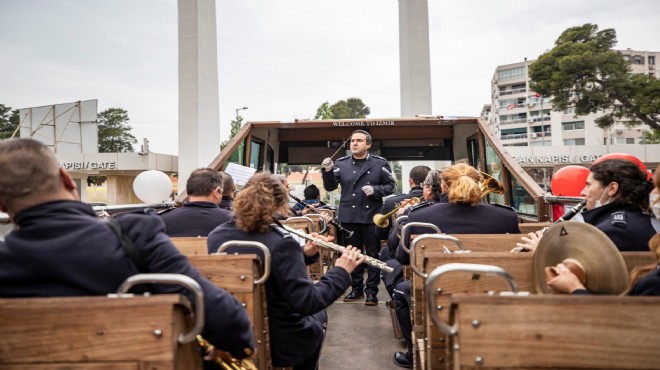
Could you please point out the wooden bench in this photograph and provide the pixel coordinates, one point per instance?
(518, 265)
(552, 332)
(237, 274)
(96, 333)
(190, 246)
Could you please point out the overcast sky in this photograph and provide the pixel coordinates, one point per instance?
(283, 58)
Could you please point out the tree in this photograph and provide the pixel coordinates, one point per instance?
(324, 112)
(343, 109)
(114, 132)
(652, 137)
(582, 71)
(9, 121)
(235, 126)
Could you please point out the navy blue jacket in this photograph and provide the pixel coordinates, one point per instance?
(355, 206)
(458, 218)
(648, 285)
(627, 227)
(388, 206)
(62, 249)
(194, 219)
(296, 305)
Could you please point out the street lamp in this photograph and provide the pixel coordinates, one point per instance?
(238, 109)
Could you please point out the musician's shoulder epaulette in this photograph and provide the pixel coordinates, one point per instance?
(379, 157)
(280, 230)
(504, 206)
(420, 205)
(342, 158)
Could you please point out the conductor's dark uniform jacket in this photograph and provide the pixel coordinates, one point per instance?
(62, 249)
(355, 206)
(296, 304)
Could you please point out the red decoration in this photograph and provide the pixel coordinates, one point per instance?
(569, 181)
(629, 157)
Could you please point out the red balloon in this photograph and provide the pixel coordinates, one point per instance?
(629, 157)
(569, 181)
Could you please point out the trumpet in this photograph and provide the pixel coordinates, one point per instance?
(490, 185)
(338, 248)
(224, 359)
(383, 220)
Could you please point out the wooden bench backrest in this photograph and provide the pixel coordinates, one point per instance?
(96, 333)
(557, 331)
(528, 227)
(518, 265)
(191, 245)
(236, 274)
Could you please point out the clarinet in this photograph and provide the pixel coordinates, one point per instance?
(338, 248)
(572, 212)
(334, 223)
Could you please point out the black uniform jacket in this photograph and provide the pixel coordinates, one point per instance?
(296, 315)
(388, 206)
(459, 218)
(628, 227)
(355, 206)
(194, 219)
(62, 249)
(226, 203)
(648, 285)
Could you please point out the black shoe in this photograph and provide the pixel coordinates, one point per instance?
(371, 300)
(401, 359)
(354, 296)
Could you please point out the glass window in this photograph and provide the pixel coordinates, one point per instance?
(522, 202)
(573, 142)
(508, 74)
(255, 155)
(494, 168)
(570, 126)
(652, 60)
(630, 140)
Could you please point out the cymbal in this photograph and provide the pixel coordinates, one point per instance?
(604, 267)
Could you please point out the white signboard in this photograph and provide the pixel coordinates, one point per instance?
(68, 128)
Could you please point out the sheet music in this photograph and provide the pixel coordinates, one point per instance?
(240, 174)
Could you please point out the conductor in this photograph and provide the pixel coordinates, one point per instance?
(365, 179)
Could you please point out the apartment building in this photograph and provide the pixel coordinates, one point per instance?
(541, 138)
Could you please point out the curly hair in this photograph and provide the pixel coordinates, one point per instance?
(634, 188)
(433, 180)
(462, 182)
(654, 245)
(258, 202)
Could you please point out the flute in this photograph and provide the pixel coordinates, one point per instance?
(338, 248)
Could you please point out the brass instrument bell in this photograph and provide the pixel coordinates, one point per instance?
(383, 220)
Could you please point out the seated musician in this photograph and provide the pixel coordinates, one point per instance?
(228, 191)
(312, 198)
(461, 214)
(616, 197)
(200, 214)
(296, 304)
(61, 248)
(644, 280)
(415, 180)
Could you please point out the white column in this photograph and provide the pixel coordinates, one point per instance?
(415, 62)
(199, 124)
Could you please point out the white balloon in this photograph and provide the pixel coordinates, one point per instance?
(152, 186)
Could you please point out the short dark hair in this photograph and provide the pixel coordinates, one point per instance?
(27, 168)
(203, 181)
(227, 185)
(418, 174)
(312, 192)
(363, 133)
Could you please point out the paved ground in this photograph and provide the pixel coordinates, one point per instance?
(359, 336)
